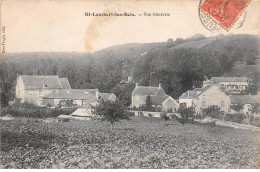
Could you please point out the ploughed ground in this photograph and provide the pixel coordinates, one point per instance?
(141, 142)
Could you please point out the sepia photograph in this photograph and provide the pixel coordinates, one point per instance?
(130, 84)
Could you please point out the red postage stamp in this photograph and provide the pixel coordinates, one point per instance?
(224, 12)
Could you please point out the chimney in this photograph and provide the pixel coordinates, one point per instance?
(188, 93)
(160, 85)
(136, 84)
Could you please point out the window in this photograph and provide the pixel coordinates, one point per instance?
(222, 104)
(204, 104)
(204, 97)
(192, 102)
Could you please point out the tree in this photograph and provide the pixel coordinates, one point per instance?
(111, 111)
(124, 93)
(186, 113)
(148, 102)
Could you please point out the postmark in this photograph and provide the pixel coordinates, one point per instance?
(216, 15)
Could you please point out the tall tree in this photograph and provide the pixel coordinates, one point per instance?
(112, 112)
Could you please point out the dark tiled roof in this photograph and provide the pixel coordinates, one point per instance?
(65, 83)
(244, 99)
(41, 81)
(158, 100)
(229, 79)
(147, 90)
(73, 94)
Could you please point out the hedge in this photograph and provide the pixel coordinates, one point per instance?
(33, 111)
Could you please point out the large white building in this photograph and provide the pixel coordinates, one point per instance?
(232, 85)
(54, 91)
(32, 89)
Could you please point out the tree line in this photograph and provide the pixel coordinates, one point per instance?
(177, 69)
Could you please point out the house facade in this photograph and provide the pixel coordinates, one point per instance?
(77, 96)
(232, 85)
(202, 98)
(212, 95)
(189, 98)
(158, 98)
(92, 101)
(247, 102)
(32, 89)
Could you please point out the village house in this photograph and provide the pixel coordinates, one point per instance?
(77, 96)
(209, 95)
(91, 102)
(158, 98)
(189, 98)
(232, 85)
(245, 101)
(32, 89)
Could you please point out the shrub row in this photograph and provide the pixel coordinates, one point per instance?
(33, 111)
(238, 118)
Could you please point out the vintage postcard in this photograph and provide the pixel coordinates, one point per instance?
(130, 84)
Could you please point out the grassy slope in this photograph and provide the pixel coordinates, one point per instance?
(138, 143)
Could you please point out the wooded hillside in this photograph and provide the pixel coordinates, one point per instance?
(178, 65)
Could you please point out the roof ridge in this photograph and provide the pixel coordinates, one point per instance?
(60, 82)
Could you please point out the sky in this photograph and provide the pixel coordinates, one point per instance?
(61, 26)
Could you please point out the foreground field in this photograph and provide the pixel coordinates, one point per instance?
(137, 143)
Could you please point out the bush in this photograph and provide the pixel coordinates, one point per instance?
(65, 120)
(164, 116)
(131, 114)
(216, 115)
(140, 114)
(237, 118)
(150, 115)
(175, 116)
(213, 112)
(150, 109)
(255, 121)
(186, 113)
(33, 111)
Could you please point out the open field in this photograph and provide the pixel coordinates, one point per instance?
(138, 143)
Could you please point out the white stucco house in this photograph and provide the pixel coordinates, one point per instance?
(158, 97)
(209, 95)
